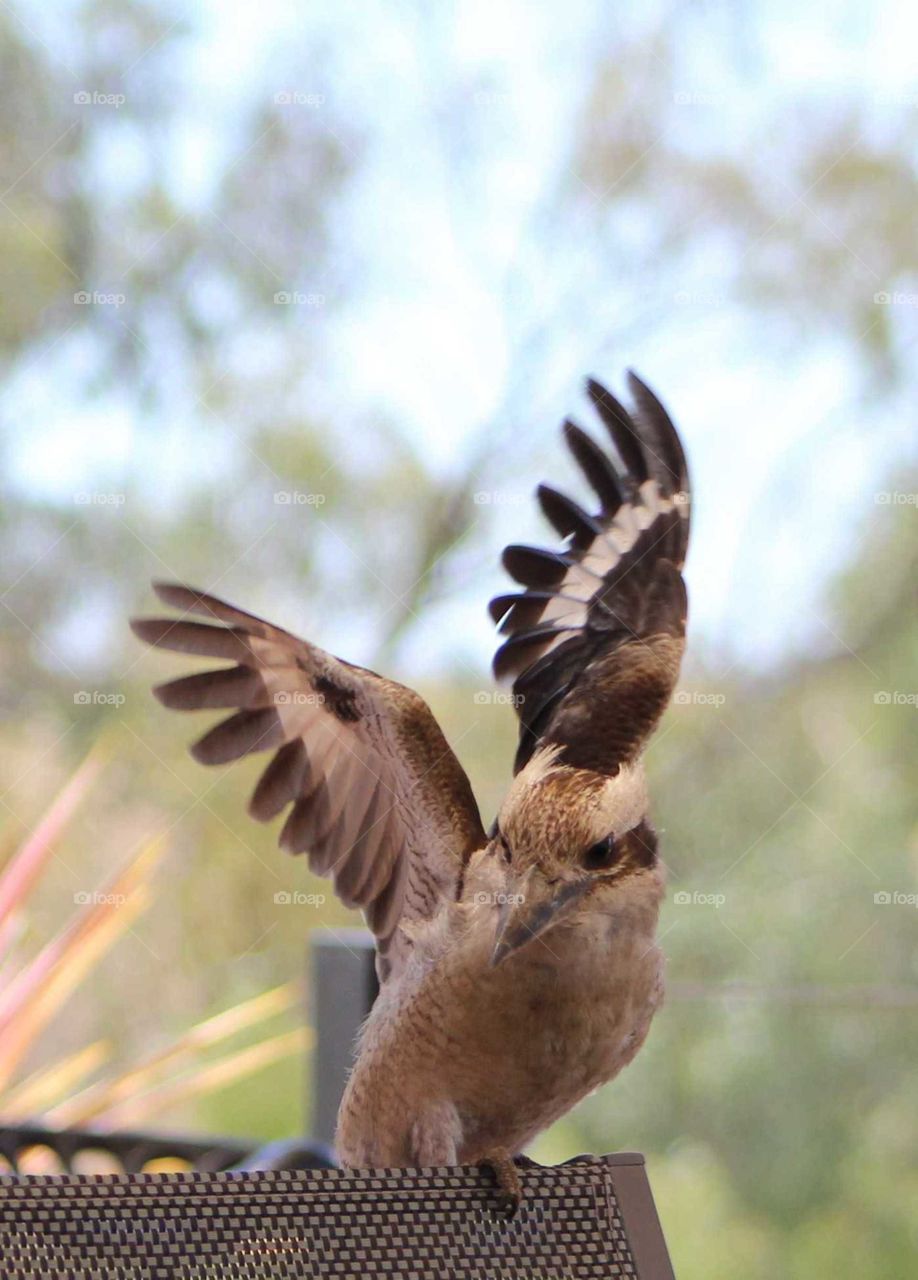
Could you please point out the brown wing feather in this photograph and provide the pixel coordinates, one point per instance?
(378, 799)
(594, 642)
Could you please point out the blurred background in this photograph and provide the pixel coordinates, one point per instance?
(294, 300)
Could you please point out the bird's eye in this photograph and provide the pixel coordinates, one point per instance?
(601, 856)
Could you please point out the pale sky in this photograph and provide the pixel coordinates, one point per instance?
(786, 461)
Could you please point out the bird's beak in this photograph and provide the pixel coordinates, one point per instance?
(533, 905)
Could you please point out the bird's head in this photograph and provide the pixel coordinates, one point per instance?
(571, 838)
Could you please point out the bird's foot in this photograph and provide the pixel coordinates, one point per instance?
(506, 1175)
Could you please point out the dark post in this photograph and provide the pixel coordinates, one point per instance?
(344, 987)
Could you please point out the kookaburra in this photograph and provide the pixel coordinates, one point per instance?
(519, 968)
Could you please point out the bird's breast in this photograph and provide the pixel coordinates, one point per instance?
(510, 1047)
(568, 1001)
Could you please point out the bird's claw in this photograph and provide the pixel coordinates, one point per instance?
(506, 1175)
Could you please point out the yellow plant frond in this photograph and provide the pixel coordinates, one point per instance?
(208, 1079)
(46, 1087)
(22, 872)
(42, 987)
(107, 1094)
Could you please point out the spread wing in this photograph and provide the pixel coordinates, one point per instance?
(595, 639)
(378, 800)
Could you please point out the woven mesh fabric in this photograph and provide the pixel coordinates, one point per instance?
(413, 1224)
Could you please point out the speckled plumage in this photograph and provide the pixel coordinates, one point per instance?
(519, 970)
(459, 1058)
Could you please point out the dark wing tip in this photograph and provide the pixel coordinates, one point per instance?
(240, 735)
(192, 600)
(534, 566)
(559, 625)
(161, 694)
(638, 387)
(622, 430)
(173, 592)
(566, 516)
(661, 440)
(501, 605)
(595, 389)
(607, 482)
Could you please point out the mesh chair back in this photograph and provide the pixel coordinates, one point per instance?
(587, 1219)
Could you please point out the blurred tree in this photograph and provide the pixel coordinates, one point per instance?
(223, 267)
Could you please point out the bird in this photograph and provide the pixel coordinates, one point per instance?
(519, 967)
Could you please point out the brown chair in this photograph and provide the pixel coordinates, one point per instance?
(590, 1218)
